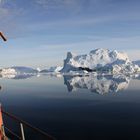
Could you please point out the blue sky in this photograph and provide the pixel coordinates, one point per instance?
(40, 32)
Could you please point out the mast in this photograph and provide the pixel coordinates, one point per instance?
(3, 37)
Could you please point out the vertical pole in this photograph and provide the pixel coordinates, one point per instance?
(22, 131)
(3, 130)
(1, 125)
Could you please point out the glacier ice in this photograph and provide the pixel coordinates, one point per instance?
(16, 71)
(100, 60)
(53, 69)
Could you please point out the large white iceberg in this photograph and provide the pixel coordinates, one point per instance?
(100, 60)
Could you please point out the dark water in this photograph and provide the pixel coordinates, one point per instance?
(75, 107)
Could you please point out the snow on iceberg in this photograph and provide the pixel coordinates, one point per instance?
(18, 71)
(54, 69)
(8, 71)
(24, 70)
(99, 60)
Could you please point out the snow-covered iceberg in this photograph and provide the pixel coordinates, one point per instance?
(100, 60)
(8, 71)
(54, 69)
(25, 70)
(98, 84)
(13, 71)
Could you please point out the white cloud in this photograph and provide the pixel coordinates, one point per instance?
(74, 22)
(60, 6)
(56, 3)
(129, 45)
(3, 12)
(9, 14)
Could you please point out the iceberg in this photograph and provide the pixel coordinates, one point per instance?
(54, 69)
(100, 60)
(8, 71)
(24, 70)
(13, 71)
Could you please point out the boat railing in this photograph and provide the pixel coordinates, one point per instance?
(23, 123)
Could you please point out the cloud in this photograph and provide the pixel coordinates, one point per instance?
(9, 14)
(56, 3)
(3, 13)
(1, 1)
(126, 44)
(46, 15)
(81, 23)
(61, 6)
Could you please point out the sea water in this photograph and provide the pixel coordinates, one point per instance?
(74, 107)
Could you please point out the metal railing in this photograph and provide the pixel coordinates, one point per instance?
(22, 124)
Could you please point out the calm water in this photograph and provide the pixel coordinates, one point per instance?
(75, 107)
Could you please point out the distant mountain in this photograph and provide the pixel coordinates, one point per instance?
(54, 69)
(100, 60)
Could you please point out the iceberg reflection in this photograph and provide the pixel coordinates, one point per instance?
(98, 84)
(17, 77)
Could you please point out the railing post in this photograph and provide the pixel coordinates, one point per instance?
(49, 137)
(1, 124)
(3, 130)
(22, 131)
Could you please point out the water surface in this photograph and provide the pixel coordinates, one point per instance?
(75, 107)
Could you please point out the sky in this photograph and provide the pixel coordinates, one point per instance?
(41, 32)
